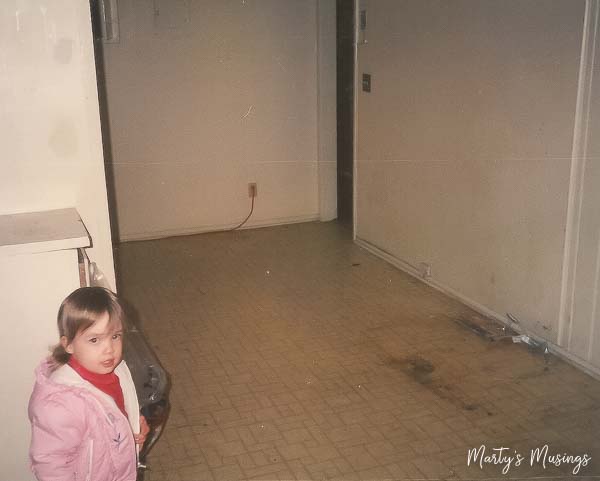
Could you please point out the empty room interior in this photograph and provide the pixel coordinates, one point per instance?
(362, 237)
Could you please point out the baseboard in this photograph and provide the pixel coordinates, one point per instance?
(216, 228)
(480, 308)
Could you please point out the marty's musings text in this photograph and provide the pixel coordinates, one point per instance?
(540, 456)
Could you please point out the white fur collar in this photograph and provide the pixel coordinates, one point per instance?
(67, 376)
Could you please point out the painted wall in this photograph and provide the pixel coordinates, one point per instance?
(205, 97)
(32, 329)
(51, 158)
(50, 128)
(581, 330)
(464, 146)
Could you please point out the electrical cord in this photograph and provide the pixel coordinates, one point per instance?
(245, 220)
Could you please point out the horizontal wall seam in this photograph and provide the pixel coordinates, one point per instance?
(491, 159)
(266, 162)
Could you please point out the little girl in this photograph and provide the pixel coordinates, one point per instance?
(84, 409)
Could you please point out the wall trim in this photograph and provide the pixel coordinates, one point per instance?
(138, 236)
(576, 181)
(404, 266)
(357, 6)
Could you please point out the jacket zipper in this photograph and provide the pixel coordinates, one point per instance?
(90, 461)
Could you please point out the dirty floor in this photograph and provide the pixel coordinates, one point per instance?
(294, 354)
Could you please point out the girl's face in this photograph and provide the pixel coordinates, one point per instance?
(99, 348)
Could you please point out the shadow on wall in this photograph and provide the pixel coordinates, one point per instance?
(103, 107)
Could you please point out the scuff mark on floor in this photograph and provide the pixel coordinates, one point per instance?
(421, 371)
(416, 367)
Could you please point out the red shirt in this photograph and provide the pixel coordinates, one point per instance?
(107, 383)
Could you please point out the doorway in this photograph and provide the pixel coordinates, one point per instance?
(345, 109)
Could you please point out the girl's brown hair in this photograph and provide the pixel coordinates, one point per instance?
(80, 310)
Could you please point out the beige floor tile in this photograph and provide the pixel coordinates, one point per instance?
(232, 471)
(292, 352)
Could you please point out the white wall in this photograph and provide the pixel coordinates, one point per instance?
(205, 97)
(29, 301)
(464, 146)
(327, 108)
(51, 158)
(580, 333)
(50, 129)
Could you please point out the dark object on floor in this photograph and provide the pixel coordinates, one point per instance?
(486, 328)
(152, 385)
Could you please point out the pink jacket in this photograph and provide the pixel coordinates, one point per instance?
(77, 432)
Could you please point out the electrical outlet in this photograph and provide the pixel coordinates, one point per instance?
(252, 189)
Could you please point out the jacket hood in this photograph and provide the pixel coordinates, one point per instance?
(53, 378)
(45, 384)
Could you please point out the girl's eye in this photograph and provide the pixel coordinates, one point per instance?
(94, 340)
(117, 336)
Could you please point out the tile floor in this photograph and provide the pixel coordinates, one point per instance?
(294, 354)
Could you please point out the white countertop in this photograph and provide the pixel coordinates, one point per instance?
(34, 232)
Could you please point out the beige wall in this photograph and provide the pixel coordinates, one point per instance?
(51, 158)
(593, 202)
(31, 290)
(50, 129)
(464, 146)
(581, 329)
(327, 108)
(205, 97)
